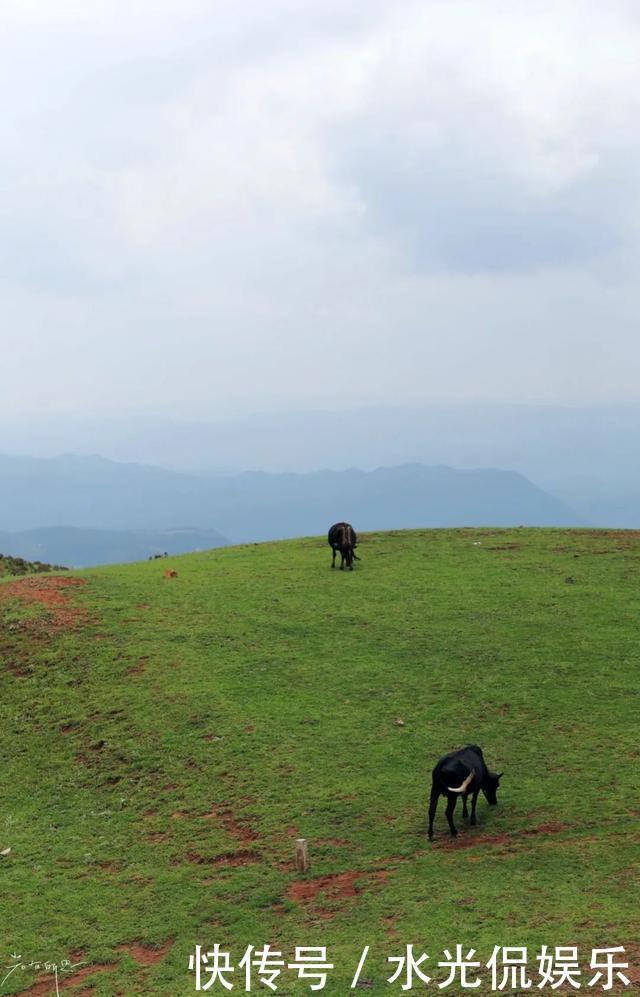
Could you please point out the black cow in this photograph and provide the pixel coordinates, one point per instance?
(461, 773)
(342, 537)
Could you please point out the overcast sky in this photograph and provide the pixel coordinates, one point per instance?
(210, 207)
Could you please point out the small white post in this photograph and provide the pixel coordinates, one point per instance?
(302, 855)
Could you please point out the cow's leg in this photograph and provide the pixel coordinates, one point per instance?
(465, 812)
(474, 800)
(341, 560)
(333, 562)
(433, 806)
(451, 805)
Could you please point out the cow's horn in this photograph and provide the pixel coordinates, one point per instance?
(464, 785)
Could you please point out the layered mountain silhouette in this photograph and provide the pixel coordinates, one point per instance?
(79, 547)
(135, 501)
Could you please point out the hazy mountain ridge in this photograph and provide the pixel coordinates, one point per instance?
(80, 548)
(134, 502)
(585, 455)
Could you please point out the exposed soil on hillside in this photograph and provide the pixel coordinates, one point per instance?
(46, 986)
(225, 817)
(340, 885)
(50, 591)
(476, 840)
(145, 955)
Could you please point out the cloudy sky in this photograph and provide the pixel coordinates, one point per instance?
(218, 206)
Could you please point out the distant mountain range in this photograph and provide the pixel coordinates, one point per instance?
(121, 511)
(81, 548)
(586, 455)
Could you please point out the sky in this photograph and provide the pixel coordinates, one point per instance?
(213, 207)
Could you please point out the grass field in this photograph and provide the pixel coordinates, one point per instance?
(165, 740)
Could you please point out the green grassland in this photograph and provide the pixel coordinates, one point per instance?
(165, 740)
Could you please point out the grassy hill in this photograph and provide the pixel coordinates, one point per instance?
(166, 740)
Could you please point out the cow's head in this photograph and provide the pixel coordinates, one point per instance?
(490, 787)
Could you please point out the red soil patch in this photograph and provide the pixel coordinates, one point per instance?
(145, 955)
(49, 591)
(632, 955)
(478, 840)
(241, 832)
(341, 885)
(46, 589)
(44, 988)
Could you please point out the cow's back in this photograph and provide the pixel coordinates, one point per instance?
(453, 768)
(340, 535)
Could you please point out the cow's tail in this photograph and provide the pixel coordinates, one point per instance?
(463, 788)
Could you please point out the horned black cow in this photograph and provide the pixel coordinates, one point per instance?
(462, 773)
(342, 537)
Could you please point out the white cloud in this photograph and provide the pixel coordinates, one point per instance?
(229, 193)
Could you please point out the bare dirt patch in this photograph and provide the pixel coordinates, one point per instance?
(341, 885)
(474, 840)
(45, 987)
(632, 955)
(52, 592)
(324, 897)
(146, 955)
(225, 817)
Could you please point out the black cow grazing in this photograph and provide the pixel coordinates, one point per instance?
(342, 537)
(461, 773)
